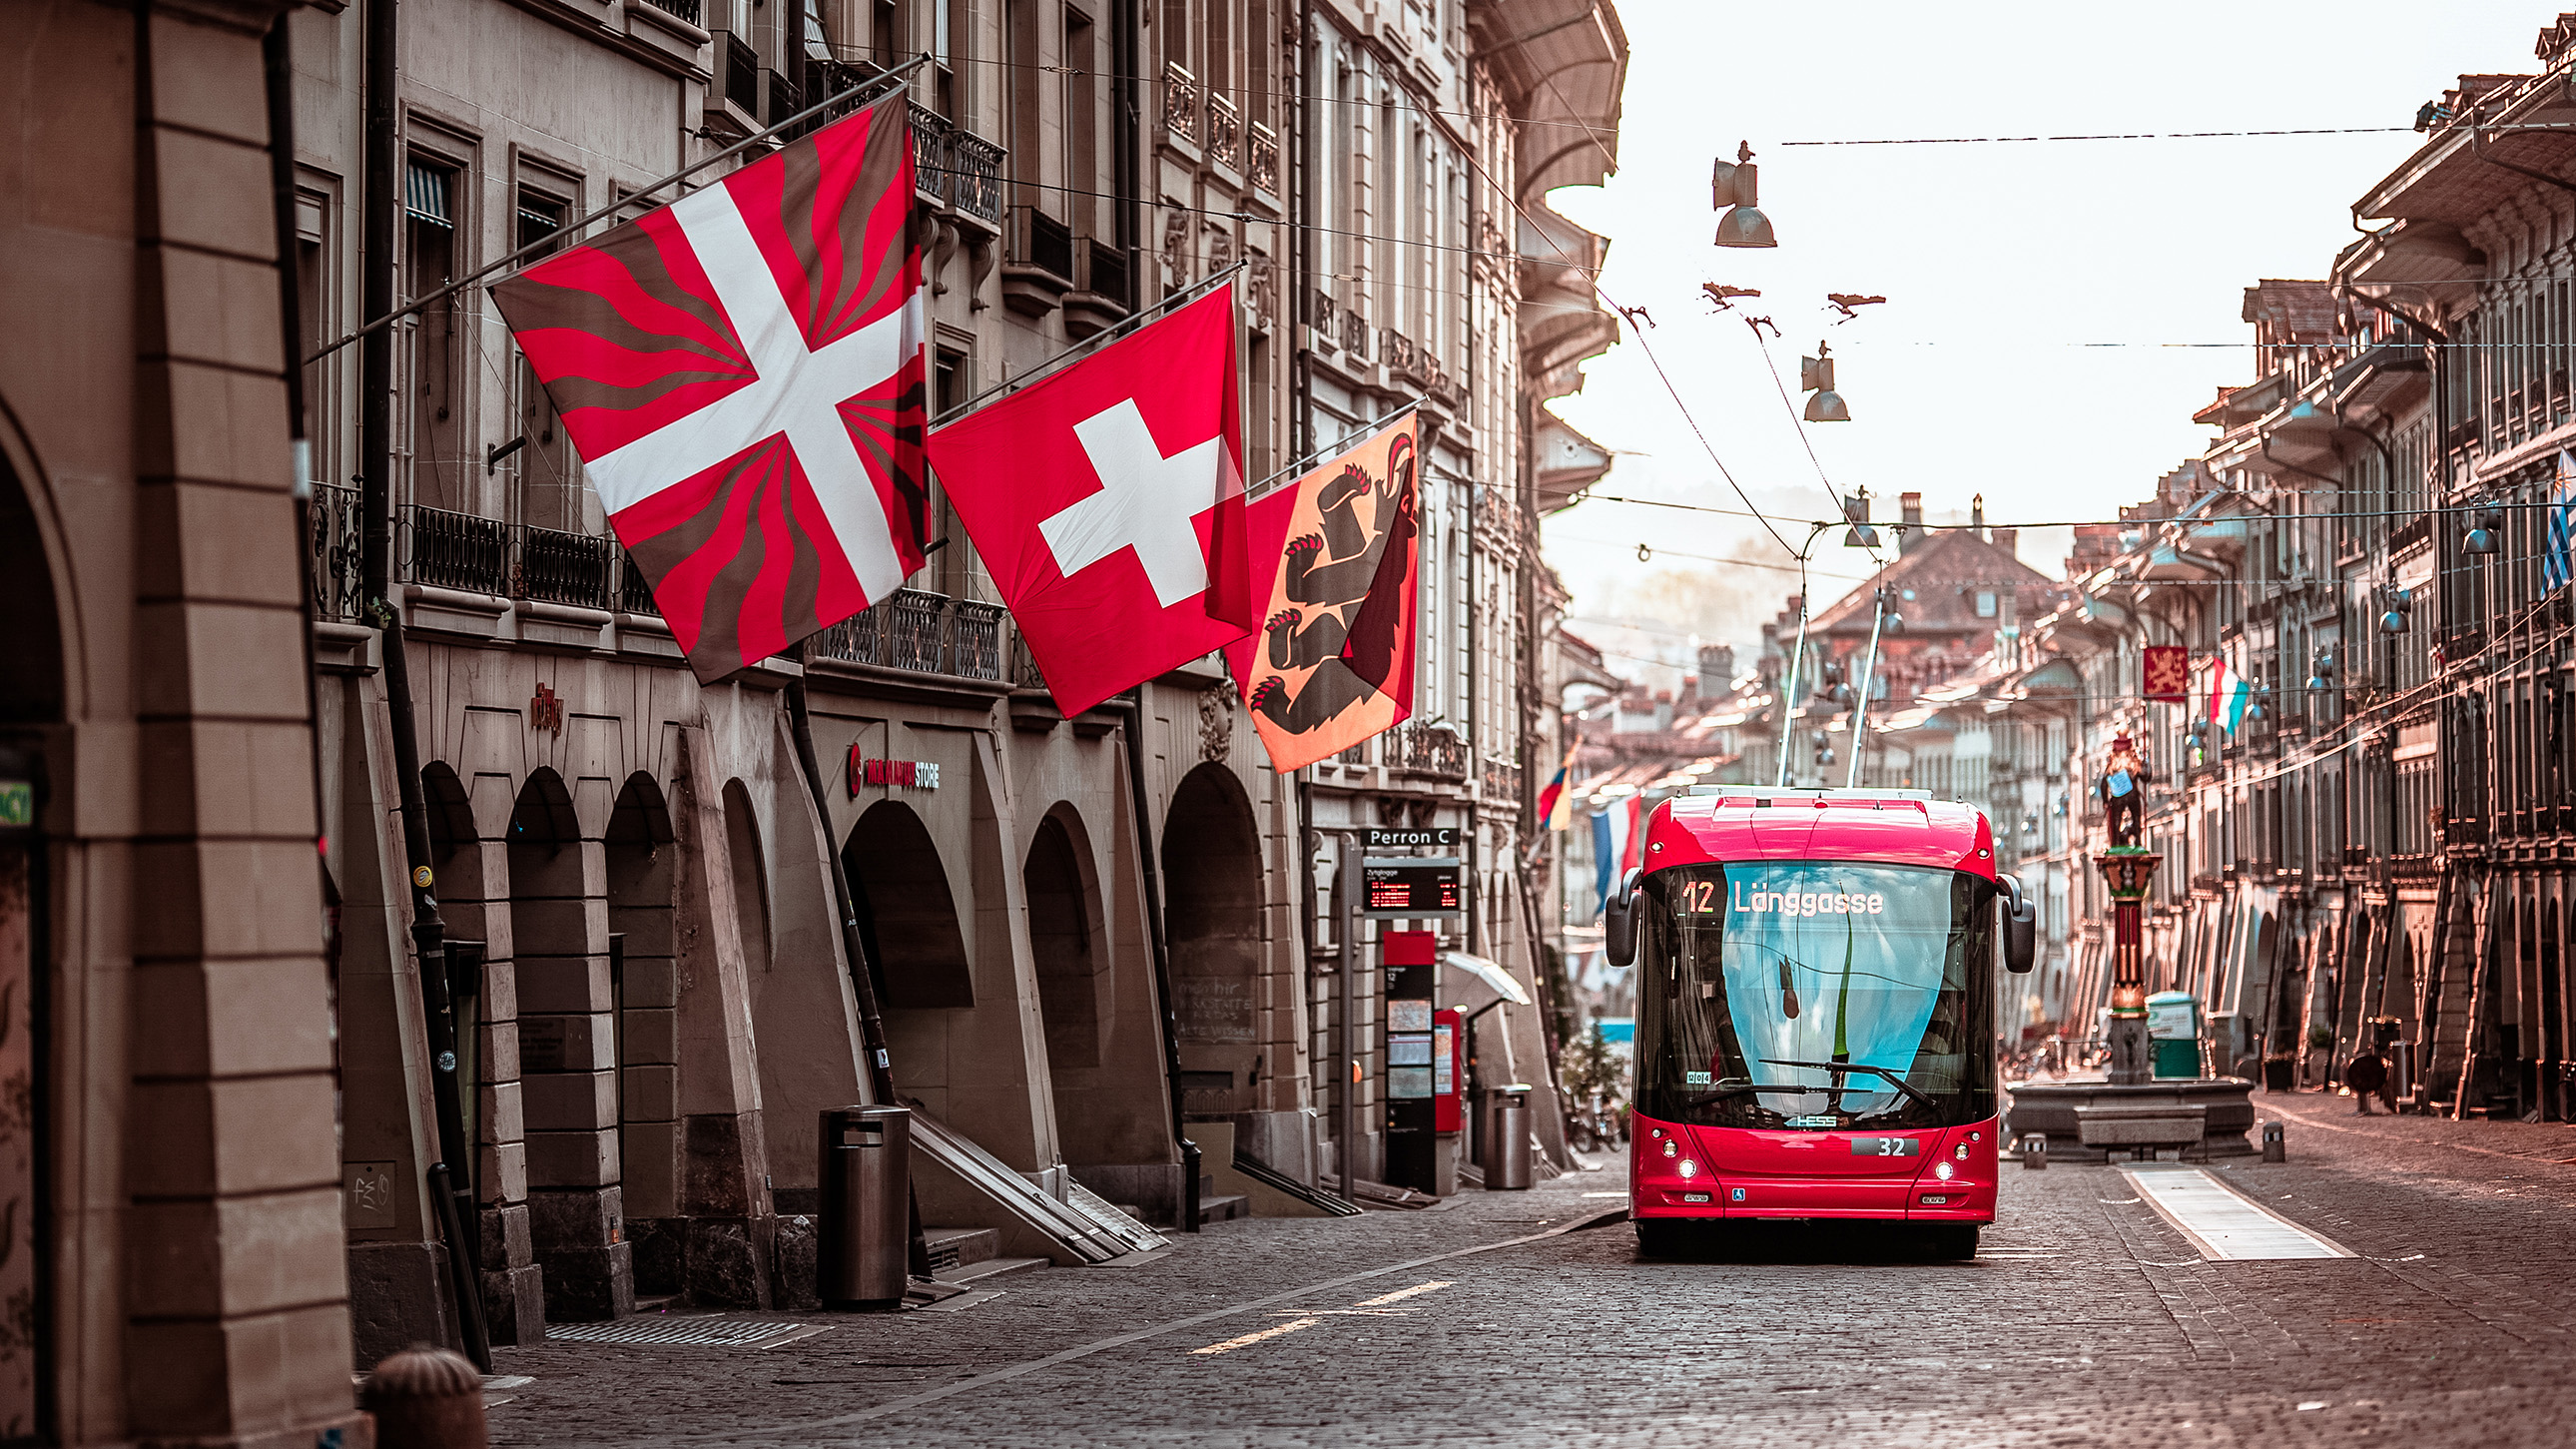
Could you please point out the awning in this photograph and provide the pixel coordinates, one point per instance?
(1486, 982)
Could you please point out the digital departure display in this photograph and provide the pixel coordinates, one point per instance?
(1412, 887)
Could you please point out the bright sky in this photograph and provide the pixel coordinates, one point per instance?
(2006, 266)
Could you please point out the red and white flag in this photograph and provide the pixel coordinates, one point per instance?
(1107, 501)
(742, 372)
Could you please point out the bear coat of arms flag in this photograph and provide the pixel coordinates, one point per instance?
(1107, 502)
(742, 373)
(1339, 567)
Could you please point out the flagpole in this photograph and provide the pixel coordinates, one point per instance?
(1186, 294)
(548, 241)
(1364, 430)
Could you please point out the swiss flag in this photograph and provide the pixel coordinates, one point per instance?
(1107, 500)
(742, 372)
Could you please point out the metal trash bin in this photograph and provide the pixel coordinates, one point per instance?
(1507, 1164)
(865, 1228)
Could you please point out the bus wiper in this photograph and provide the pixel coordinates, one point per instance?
(1727, 1089)
(1902, 1085)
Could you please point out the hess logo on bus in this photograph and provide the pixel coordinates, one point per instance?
(1700, 896)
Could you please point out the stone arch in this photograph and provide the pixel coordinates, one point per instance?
(915, 947)
(1066, 939)
(1212, 923)
(32, 689)
(568, 1053)
(450, 811)
(641, 868)
(750, 874)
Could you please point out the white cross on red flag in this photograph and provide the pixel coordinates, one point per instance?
(1107, 500)
(742, 372)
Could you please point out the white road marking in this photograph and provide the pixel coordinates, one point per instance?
(1399, 1295)
(1249, 1339)
(2222, 1222)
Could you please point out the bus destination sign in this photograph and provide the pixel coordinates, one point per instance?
(1413, 886)
(1388, 837)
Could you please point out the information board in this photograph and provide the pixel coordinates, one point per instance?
(1413, 886)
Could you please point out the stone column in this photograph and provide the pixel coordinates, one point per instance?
(2128, 871)
(235, 1286)
(474, 900)
(568, 1078)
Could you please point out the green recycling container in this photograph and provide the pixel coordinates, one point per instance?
(2173, 1029)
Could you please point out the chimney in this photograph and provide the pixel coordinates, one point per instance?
(1977, 515)
(1910, 506)
(2006, 538)
(1716, 669)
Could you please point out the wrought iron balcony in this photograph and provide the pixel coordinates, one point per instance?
(975, 175)
(634, 591)
(567, 568)
(1425, 750)
(1263, 168)
(920, 632)
(686, 9)
(1502, 781)
(460, 551)
(335, 552)
(1180, 104)
(1224, 129)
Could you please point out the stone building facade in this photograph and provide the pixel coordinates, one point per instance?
(231, 1052)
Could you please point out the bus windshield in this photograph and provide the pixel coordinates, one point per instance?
(1815, 995)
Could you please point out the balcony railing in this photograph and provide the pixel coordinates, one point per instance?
(1044, 242)
(1264, 164)
(922, 633)
(1109, 273)
(459, 551)
(1180, 104)
(1502, 782)
(741, 73)
(1224, 129)
(634, 591)
(1425, 750)
(476, 555)
(686, 9)
(975, 173)
(336, 551)
(568, 568)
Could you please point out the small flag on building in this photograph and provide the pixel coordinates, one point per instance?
(2558, 555)
(1335, 572)
(1556, 803)
(1618, 842)
(2228, 693)
(2164, 672)
(742, 373)
(1108, 502)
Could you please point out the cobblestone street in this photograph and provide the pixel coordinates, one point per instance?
(2086, 1318)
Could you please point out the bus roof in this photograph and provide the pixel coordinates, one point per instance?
(1721, 823)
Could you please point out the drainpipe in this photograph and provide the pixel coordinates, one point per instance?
(450, 1181)
(1148, 866)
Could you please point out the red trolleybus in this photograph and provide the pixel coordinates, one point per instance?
(1816, 1011)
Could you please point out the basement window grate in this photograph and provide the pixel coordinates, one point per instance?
(707, 1332)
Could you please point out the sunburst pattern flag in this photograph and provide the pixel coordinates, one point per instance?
(742, 372)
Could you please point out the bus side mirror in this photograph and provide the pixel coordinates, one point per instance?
(1619, 922)
(2021, 927)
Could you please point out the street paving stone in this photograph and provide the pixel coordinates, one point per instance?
(2086, 1319)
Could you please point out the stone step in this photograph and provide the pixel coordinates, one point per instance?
(954, 1247)
(977, 1272)
(1222, 1209)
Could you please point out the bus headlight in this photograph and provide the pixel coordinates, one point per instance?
(1669, 1149)
(1689, 1169)
(1940, 1170)
(1962, 1153)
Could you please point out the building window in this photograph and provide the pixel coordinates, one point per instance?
(439, 475)
(1985, 603)
(548, 471)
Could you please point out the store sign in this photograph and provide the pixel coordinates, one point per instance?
(1381, 837)
(17, 802)
(891, 774)
(545, 710)
(1413, 886)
